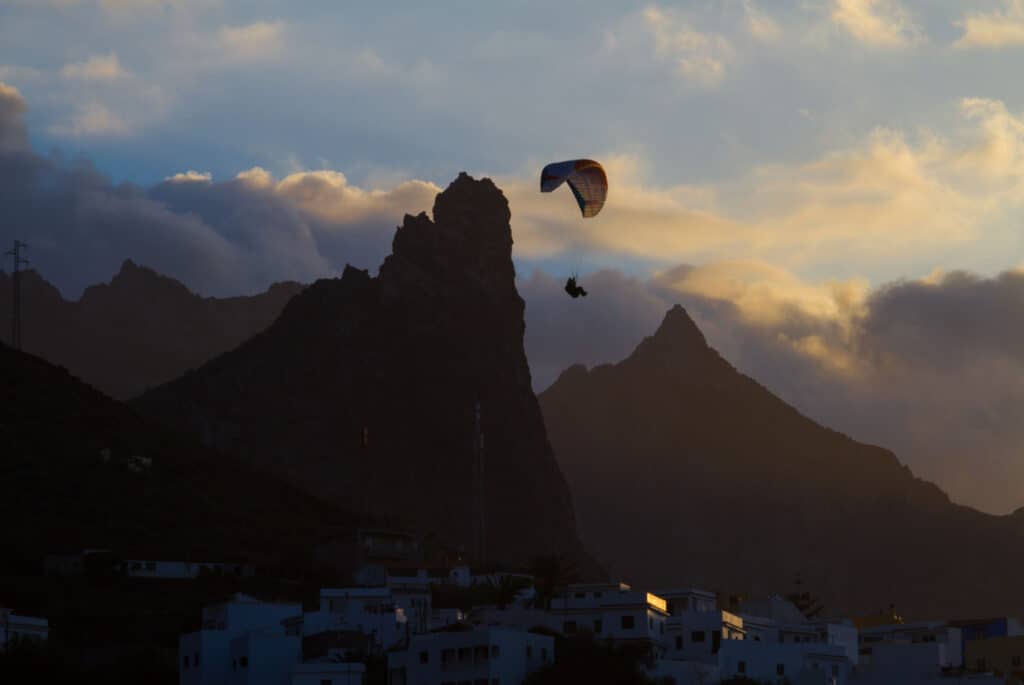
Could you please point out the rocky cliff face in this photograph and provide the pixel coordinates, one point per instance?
(687, 472)
(365, 389)
(137, 331)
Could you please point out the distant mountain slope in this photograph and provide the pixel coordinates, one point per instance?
(686, 471)
(406, 357)
(58, 492)
(137, 331)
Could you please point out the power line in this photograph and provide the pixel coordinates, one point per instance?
(19, 261)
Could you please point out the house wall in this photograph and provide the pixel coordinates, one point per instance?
(483, 654)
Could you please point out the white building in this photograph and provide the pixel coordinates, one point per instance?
(914, 663)
(183, 570)
(371, 611)
(698, 635)
(205, 656)
(796, 662)
(16, 629)
(328, 673)
(496, 656)
(612, 611)
(263, 657)
(905, 634)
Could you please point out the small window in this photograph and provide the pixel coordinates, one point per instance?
(581, 595)
(326, 681)
(650, 623)
(1016, 661)
(184, 662)
(447, 656)
(234, 664)
(543, 653)
(495, 651)
(780, 669)
(697, 636)
(529, 651)
(628, 622)
(195, 659)
(981, 664)
(465, 654)
(661, 626)
(569, 627)
(150, 565)
(598, 595)
(835, 670)
(598, 625)
(679, 642)
(741, 666)
(424, 657)
(244, 661)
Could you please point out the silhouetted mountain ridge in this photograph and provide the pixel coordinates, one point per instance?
(81, 470)
(404, 359)
(686, 471)
(137, 331)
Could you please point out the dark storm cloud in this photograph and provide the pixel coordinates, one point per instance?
(218, 238)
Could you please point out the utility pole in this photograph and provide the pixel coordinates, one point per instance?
(19, 261)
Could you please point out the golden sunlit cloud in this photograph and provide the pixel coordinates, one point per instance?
(96, 68)
(996, 29)
(882, 23)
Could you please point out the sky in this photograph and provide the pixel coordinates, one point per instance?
(833, 188)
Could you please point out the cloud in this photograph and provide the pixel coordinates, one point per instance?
(96, 68)
(761, 26)
(190, 176)
(219, 238)
(252, 42)
(882, 23)
(996, 29)
(93, 119)
(700, 58)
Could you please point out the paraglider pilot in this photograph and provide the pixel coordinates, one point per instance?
(573, 289)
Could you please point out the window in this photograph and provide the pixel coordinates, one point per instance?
(981, 664)
(480, 653)
(544, 654)
(628, 623)
(598, 626)
(581, 595)
(716, 640)
(679, 642)
(741, 666)
(150, 565)
(495, 651)
(424, 657)
(234, 664)
(465, 654)
(650, 623)
(835, 670)
(529, 651)
(780, 669)
(447, 656)
(244, 662)
(326, 681)
(1016, 661)
(184, 662)
(598, 595)
(697, 636)
(569, 627)
(495, 681)
(195, 660)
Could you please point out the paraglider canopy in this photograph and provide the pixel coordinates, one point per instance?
(586, 179)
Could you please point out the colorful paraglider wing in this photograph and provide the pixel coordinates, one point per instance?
(586, 179)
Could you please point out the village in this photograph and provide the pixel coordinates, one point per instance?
(511, 625)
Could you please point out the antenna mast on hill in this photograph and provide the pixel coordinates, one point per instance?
(19, 261)
(479, 522)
